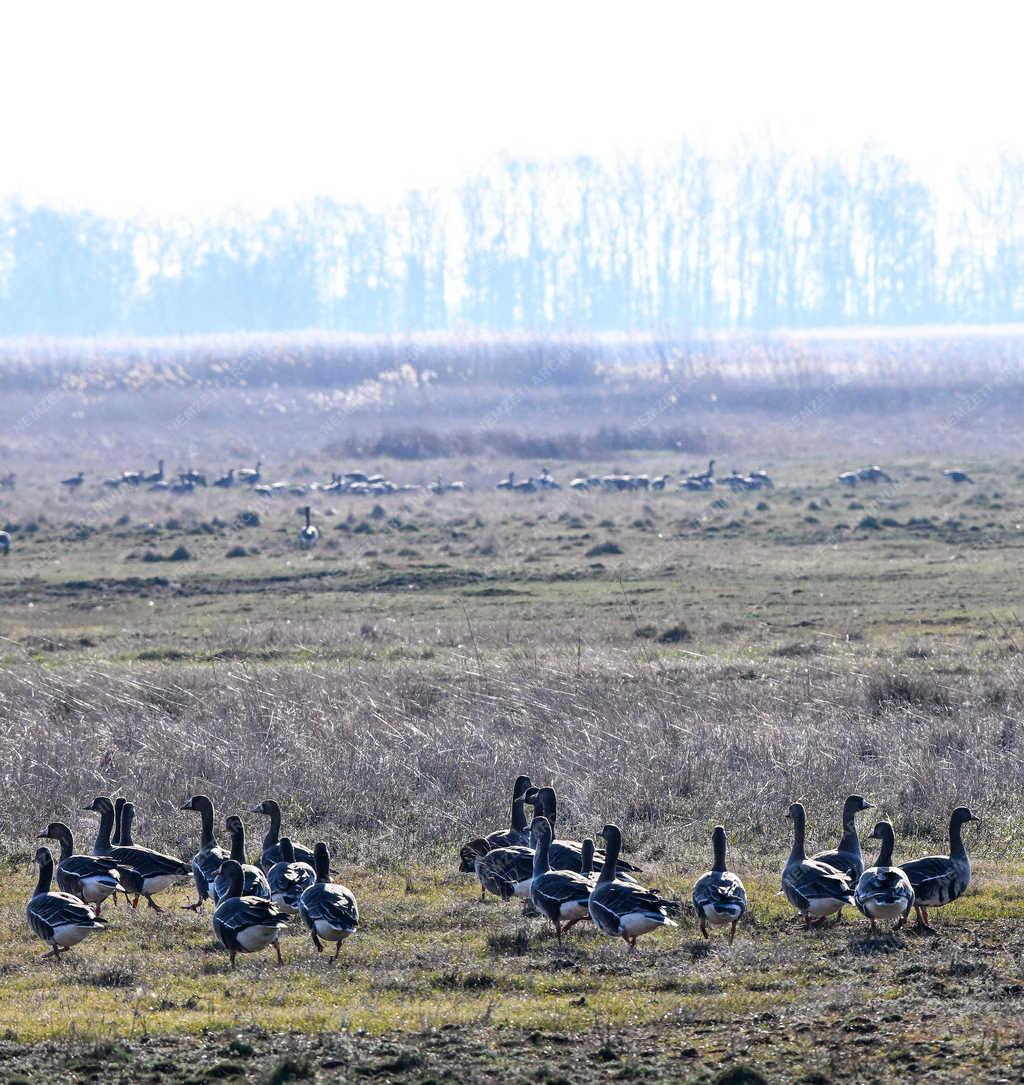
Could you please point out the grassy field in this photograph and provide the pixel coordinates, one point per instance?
(665, 660)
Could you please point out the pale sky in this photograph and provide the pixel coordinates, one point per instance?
(190, 109)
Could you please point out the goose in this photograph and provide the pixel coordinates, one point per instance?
(309, 534)
(59, 919)
(847, 856)
(329, 910)
(561, 895)
(884, 891)
(815, 889)
(623, 909)
(517, 832)
(130, 878)
(210, 855)
(271, 852)
(88, 877)
(157, 475)
(506, 872)
(718, 896)
(250, 474)
(225, 482)
(507, 483)
(115, 838)
(156, 871)
(659, 482)
(245, 924)
(254, 881)
(954, 474)
(74, 482)
(568, 854)
(848, 478)
(5, 543)
(940, 879)
(288, 879)
(763, 479)
(873, 474)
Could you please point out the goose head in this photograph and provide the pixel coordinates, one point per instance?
(796, 813)
(881, 831)
(42, 858)
(233, 824)
(855, 803)
(58, 831)
(100, 805)
(269, 808)
(197, 802)
(961, 816)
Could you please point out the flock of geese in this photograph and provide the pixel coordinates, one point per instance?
(564, 881)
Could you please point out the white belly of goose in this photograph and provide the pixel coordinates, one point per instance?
(720, 915)
(158, 883)
(70, 934)
(329, 933)
(97, 887)
(877, 909)
(820, 907)
(637, 923)
(259, 937)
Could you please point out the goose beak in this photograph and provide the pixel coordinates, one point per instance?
(868, 806)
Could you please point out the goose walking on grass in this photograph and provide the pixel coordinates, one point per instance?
(561, 895)
(59, 919)
(289, 879)
(718, 896)
(940, 879)
(884, 892)
(271, 853)
(309, 534)
(847, 856)
(815, 889)
(518, 831)
(156, 871)
(254, 881)
(88, 877)
(207, 860)
(329, 910)
(245, 924)
(624, 909)
(506, 872)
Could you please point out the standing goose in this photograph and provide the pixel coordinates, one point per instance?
(271, 850)
(517, 833)
(561, 895)
(624, 909)
(884, 891)
(156, 871)
(288, 880)
(568, 854)
(309, 534)
(245, 924)
(329, 910)
(718, 896)
(815, 889)
(208, 858)
(847, 856)
(505, 872)
(940, 879)
(254, 881)
(116, 839)
(86, 876)
(60, 919)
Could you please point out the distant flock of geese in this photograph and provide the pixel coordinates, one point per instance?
(564, 881)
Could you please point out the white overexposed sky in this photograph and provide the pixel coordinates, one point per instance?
(194, 108)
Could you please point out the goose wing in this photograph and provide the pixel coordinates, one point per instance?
(811, 880)
(331, 903)
(719, 889)
(934, 878)
(883, 883)
(844, 861)
(271, 856)
(149, 863)
(624, 898)
(53, 910)
(513, 864)
(558, 887)
(288, 878)
(87, 866)
(568, 855)
(238, 913)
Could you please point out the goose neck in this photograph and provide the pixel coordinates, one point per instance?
(612, 847)
(718, 865)
(45, 877)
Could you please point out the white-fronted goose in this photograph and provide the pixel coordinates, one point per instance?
(884, 892)
(155, 870)
(289, 879)
(88, 877)
(207, 860)
(254, 881)
(718, 896)
(329, 910)
(518, 831)
(847, 856)
(561, 895)
(271, 854)
(59, 919)
(245, 924)
(505, 872)
(940, 879)
(623, 909)
(815, 889)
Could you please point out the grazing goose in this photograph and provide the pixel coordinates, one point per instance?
(60, 919)
(624, 909)
(847, 857)
(718, 896)
(271, 854)
(245, 924)
(329, 910)
(939, 879)
(954, 474)
(506, 872)
(517, 833)
(254, 881)
(156, 871)
(561, 895)
(884, 891)
(568, 854)
(86, 876)
(288, 880)
(309, 534)
(208, 858)
(815, 889)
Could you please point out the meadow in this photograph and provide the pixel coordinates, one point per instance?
(666, 660)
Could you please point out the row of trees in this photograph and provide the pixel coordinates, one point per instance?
(759, 240)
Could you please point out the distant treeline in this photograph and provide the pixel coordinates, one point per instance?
(758, 240)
